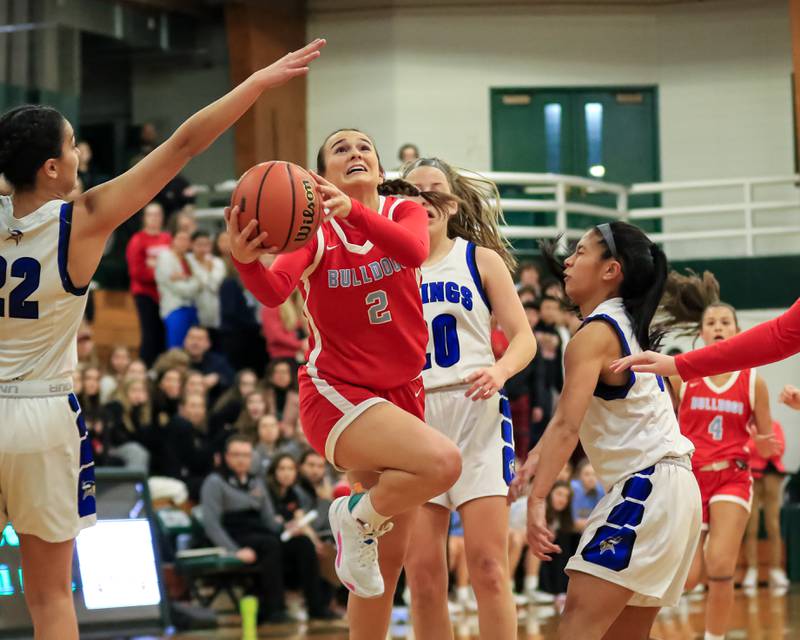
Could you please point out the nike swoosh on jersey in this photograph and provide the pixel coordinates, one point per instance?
(332, 246)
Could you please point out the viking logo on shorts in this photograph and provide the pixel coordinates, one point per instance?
(15, 235)
(89, 489)
(610, 544)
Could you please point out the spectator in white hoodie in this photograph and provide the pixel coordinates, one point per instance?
(210, 271)
(177, 288)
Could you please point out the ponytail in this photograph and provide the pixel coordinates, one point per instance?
(439, 201)
(686, 299)
(643, 305)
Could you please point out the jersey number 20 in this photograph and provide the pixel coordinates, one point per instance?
(18, 304)
(715, 428)
(446, 349)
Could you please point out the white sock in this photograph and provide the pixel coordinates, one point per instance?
(462, 594)
(713, 636)
(365, 512)
(531, 583)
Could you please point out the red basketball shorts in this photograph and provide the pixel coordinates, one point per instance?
(328, 407)
(734, 484)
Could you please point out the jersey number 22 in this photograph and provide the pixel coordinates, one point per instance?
(18, 304)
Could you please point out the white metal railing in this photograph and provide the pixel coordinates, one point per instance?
(698, 201)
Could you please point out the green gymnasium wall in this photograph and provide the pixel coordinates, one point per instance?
(12, 96)
(752, 283)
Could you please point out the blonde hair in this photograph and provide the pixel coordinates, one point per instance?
(146, 416)
(479, 214)
(291, 311)
(686, 299)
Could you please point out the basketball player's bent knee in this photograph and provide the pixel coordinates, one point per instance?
(442, 466)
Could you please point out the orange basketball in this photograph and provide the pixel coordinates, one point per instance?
(284, 200)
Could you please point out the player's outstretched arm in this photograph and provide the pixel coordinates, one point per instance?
(99, 211)
(765, 343)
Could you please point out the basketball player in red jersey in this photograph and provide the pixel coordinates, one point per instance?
(361, 393)
(714, 413)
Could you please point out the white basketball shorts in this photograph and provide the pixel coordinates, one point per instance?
(484, 435)
(46, 470)
(643, 534)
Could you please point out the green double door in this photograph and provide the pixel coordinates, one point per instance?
(604, 134)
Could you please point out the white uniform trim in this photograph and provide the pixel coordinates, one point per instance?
(722, 497)
(342, 423)
(363, 249)
(722, 388)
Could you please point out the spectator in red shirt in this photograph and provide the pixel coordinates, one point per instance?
(282, 327)
(141, 254)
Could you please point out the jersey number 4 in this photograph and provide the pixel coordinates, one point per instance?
(18, 304)
(715, 428)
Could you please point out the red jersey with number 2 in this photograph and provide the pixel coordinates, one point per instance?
(360, 280)
(364, 308)
(715, 418)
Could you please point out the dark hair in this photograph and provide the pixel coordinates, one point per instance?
(547, 298)
(550, 282)
(644, 276)
(532, 304)
(237, 437)
(272, 481)
(407, 145)
(688, 297)
(527, 266)
(200, 234)
(199, 327)
(565, 522)
(390, 187)
(307, 453)
(528, 289)
(29, 136)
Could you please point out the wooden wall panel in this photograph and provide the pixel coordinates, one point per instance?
(794, 13)
(259, 33)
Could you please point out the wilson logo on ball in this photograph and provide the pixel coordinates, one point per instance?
(308, 214)
(282, 198)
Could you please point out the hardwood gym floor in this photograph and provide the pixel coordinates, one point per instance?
(764, 616)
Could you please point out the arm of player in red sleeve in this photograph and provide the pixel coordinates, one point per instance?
(272, 285)
(405, 238)
(765, 343)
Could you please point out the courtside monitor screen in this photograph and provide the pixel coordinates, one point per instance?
(116, 581)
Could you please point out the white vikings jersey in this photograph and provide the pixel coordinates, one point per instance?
(40, 308)
(458, 316)
(633, 426)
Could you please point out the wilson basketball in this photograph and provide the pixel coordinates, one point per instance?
(284, 200)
